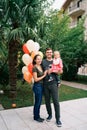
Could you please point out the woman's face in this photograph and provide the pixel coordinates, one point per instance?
(38, 60)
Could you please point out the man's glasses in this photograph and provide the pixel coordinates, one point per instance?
(48, 52)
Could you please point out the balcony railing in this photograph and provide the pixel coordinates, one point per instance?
(82, 70)
(77, 8)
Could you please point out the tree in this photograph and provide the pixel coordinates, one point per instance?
(69, 41)
(18, 21)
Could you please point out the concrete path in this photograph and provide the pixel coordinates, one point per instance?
(75, 85)
(73, 117)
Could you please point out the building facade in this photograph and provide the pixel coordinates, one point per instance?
(76, 9)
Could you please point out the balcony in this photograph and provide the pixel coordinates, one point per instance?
(77, 9)
(82, 70)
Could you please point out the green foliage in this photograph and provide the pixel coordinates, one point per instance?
(4, 78)
(18, 15)
(69, 41)
(25, 95)
(74, 52)
(25, 19)
(70, 73)
(82, 79)
(18, 20)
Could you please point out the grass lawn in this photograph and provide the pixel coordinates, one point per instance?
(69, 93)
(25, 95)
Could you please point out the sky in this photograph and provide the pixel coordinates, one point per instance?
(58, 4)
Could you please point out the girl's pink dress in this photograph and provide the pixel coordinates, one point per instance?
(57, 65)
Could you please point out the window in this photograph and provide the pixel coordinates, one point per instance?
(78, 3)
(79, 17)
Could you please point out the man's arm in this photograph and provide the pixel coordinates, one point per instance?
(57, 72)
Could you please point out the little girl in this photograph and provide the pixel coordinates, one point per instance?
(57, 62)
(56, 66)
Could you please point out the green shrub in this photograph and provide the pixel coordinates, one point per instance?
(70, 73)
(4, 75)
(82, 78)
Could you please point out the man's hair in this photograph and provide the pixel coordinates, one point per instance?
(47, 49)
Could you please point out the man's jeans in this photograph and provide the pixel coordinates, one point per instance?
(38, 91)
(51, 90)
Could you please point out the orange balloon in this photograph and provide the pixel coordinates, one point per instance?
(28, 77)
(30, 67)
(13, 105)
(25, 49)
(33, 54)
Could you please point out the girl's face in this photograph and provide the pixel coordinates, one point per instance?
(56, 55)
(38, 60)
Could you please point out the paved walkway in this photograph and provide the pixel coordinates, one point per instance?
(73, 117)
(75, 85)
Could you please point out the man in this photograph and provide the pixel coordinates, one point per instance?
(51, 88)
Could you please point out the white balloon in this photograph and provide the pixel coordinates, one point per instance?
(30, 41)
(36, 46)
(30, 45)
(24, 69)
(26, 59)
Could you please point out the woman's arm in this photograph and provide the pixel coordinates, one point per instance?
(36, 79)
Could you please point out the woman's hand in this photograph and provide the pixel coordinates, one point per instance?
(49, 71)
(45, 72)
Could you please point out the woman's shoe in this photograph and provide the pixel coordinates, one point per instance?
(39, 119)
(42, 119)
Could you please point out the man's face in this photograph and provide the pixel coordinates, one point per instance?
(49, 54)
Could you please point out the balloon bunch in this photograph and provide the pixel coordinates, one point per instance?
(30, 49)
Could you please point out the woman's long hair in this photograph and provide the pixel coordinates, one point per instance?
(34, 60)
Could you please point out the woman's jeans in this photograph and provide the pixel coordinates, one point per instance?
(38, 91)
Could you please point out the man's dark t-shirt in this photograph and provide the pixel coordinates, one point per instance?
(46, 65)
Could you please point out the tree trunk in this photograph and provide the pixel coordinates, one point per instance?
(13, 51)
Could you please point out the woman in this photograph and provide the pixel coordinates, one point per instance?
(38, 76)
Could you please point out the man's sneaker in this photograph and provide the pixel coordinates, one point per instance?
(48, 118)
(58, 123)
